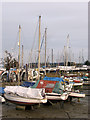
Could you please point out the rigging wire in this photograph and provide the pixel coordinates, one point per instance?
(41, 45)
(33, 44)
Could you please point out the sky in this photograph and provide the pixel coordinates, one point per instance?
(60, 19)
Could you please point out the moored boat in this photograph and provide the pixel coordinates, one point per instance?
(54, 89)
(24, 96)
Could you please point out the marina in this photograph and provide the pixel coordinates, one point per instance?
(46, 77)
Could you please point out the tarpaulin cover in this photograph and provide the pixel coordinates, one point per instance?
(25, 92)
(53, 79)
(58, 88)
(84, 77)
(1, 90)
(35, 85)
(48, 85)
(27, 84)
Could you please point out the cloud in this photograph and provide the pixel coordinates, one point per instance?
(60, 19)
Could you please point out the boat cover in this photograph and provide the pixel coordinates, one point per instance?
(58, 88)
(53, 79)
(50, 86)
(1, 90)
(27, 84)
(25, 92)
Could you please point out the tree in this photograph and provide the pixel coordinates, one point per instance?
(9, 61)
(87, 63)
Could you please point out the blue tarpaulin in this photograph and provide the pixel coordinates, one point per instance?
(1, 90)
(53, 79)
(27, 84)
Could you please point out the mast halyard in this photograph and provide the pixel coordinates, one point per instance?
(45, 49)
(39, 48)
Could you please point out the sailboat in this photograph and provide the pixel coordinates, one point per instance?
(55, 88)
(22, 95)
(52, 86)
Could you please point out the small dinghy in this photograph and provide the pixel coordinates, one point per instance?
(24, 96)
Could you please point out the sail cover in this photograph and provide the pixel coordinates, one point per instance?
(53, 79)
(25, 92)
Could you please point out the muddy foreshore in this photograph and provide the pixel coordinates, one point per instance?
(74, 110)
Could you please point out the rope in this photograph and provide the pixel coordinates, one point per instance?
(41, 45)
(33, 42)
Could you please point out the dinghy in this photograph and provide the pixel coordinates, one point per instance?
(24, 96)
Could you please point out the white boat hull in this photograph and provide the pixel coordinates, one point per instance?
(77, 95)
(23, 101)
(56, 97)
(76, 84)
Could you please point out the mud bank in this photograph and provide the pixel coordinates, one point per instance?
(71, 110)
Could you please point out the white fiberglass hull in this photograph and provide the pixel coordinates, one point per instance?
(23, 101)
(56, 97)
(76, 84)
(77, 95)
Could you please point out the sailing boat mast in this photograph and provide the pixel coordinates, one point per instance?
(39, 48)
(64, 58)
(22, 56)
(45, 50)
(19, 43)
(19, 55)
(67, 52)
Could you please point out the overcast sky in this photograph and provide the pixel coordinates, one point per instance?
(60, 19)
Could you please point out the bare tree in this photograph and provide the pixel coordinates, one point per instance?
(8, 61)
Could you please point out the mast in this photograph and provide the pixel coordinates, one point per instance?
(22, 56)
(30, 59)
(69, 56)
(64, 59)
(39, 48)
(67, 52)
(45, 50)
(19, 55)
(52, 57)
(19, 43)
(82, 57)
